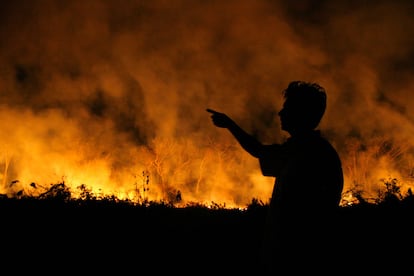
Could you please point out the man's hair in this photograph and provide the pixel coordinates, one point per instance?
(309, 98)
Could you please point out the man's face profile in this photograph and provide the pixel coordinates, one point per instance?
(289, 116)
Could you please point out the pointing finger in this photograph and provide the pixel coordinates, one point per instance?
(211, 111)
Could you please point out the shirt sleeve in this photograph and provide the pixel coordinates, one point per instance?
(273, 160)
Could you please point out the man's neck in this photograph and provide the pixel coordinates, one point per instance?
(303, 132)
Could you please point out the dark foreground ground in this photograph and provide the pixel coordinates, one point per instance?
(57, 238)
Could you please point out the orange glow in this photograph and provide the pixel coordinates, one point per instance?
(115, 99)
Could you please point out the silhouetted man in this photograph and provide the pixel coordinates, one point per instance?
(300, 228)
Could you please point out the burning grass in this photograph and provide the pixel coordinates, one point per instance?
(103, 232)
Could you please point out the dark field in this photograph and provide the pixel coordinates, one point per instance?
(52, 236)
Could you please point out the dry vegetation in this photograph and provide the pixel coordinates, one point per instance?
(92, 233)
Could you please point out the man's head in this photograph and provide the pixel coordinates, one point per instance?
(304, 106)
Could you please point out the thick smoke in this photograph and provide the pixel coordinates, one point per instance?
(113, 94)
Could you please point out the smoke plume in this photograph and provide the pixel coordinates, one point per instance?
(112, 94)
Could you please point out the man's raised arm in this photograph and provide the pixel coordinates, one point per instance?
(248, 142)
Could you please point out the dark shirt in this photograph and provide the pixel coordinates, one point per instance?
(308, 172)
(301, 221)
